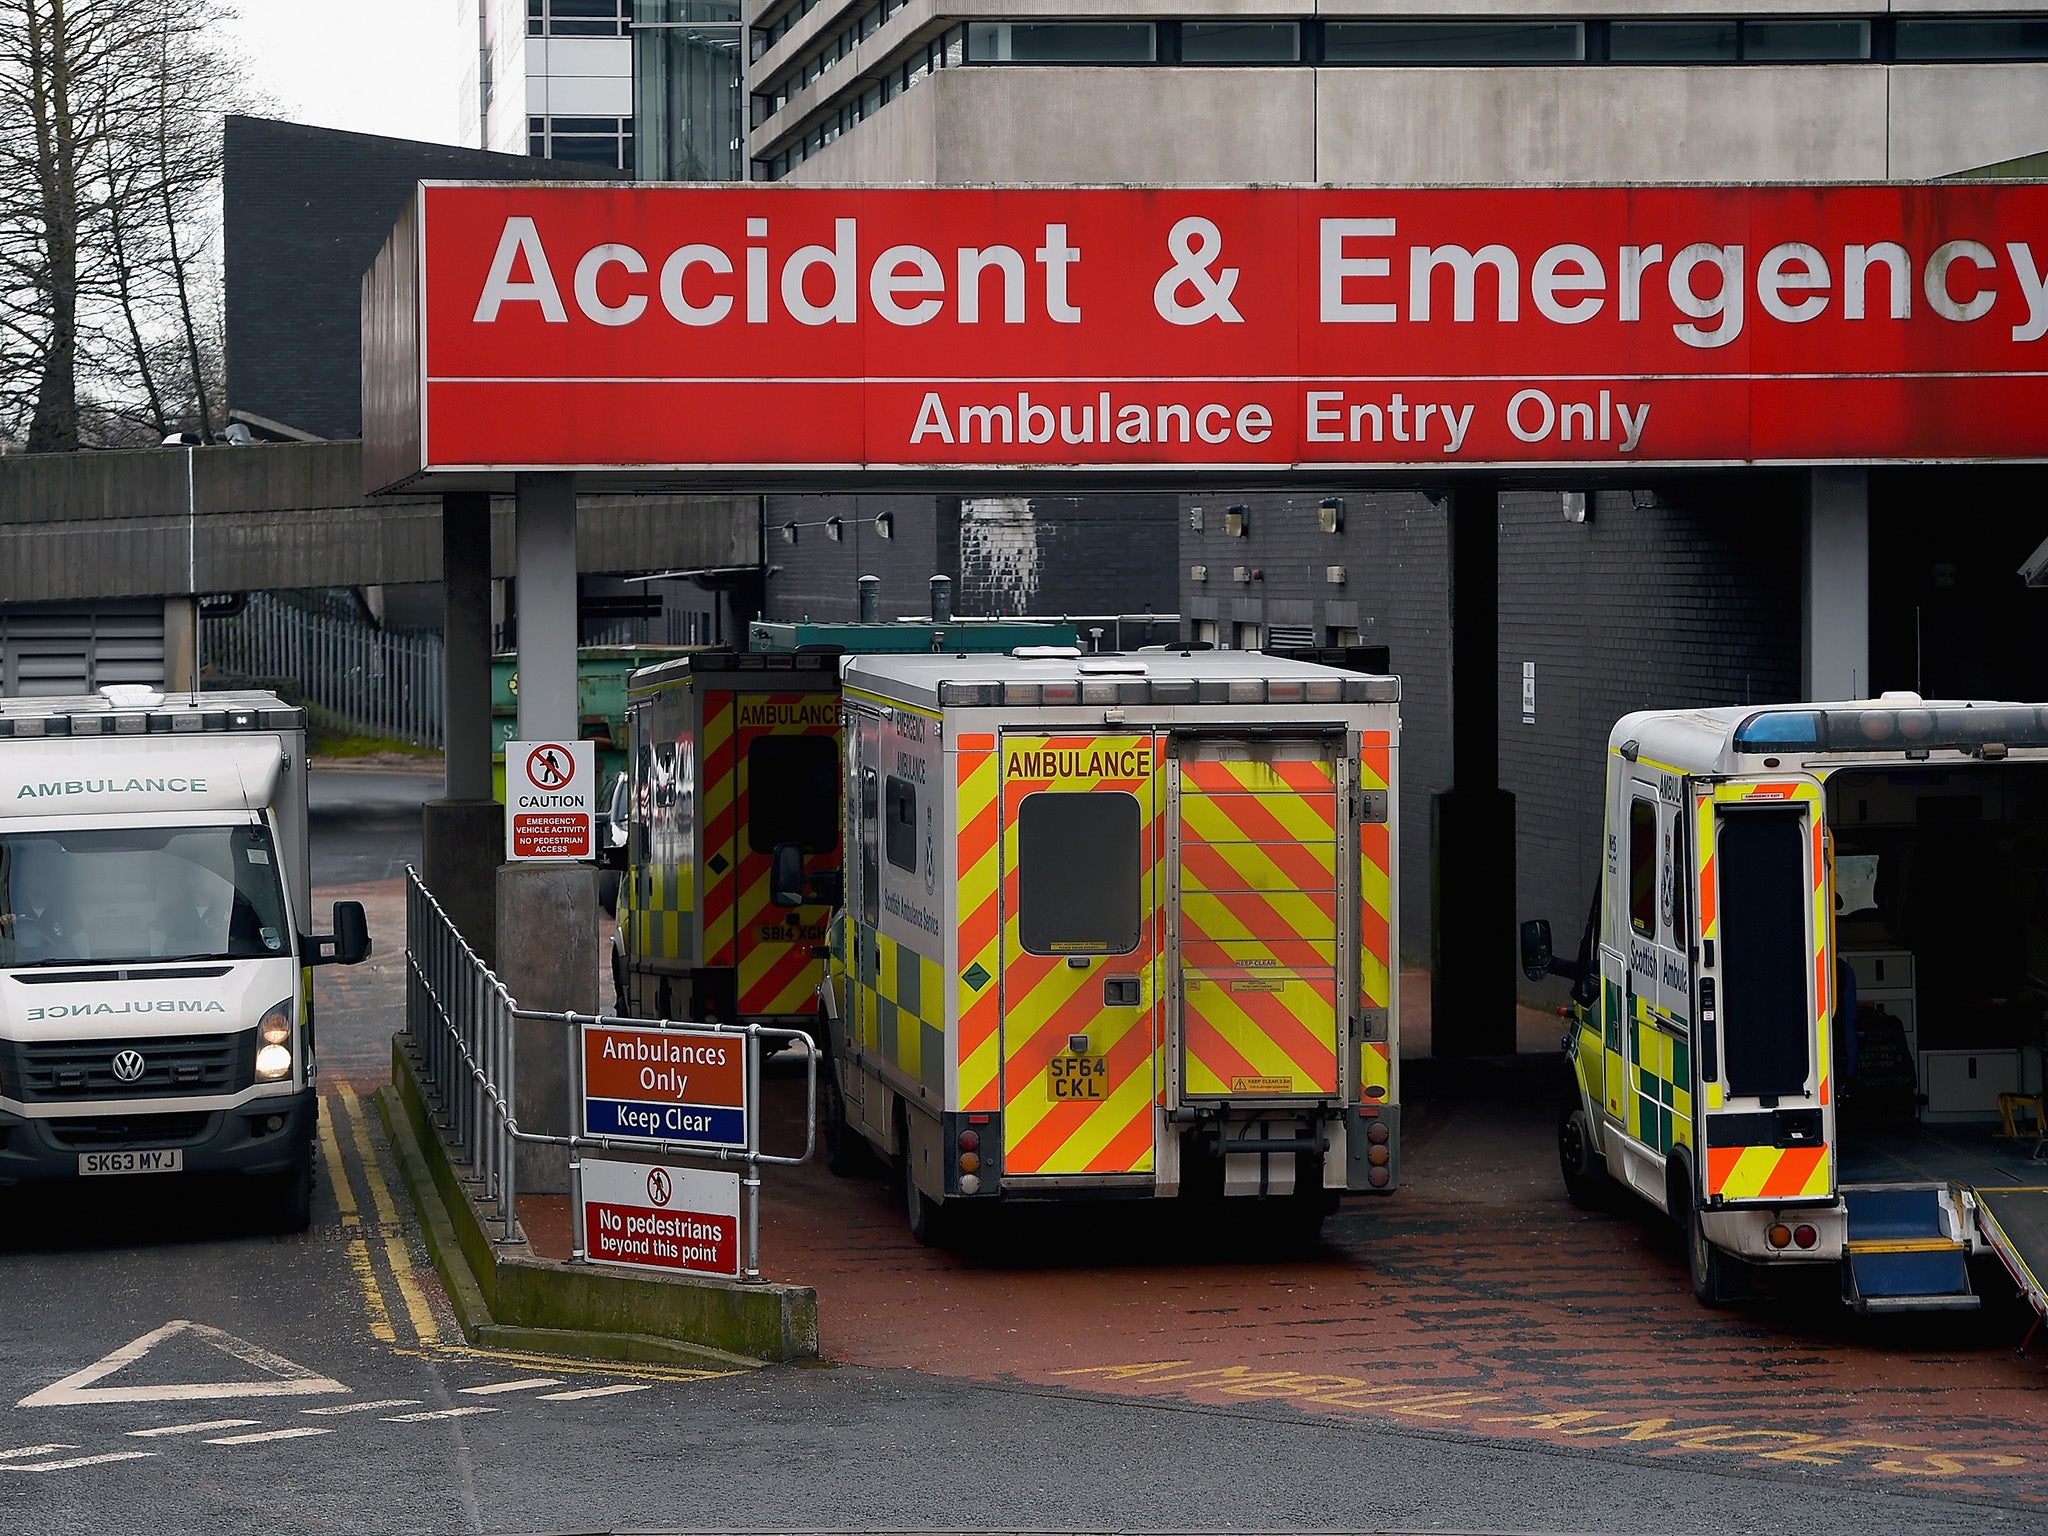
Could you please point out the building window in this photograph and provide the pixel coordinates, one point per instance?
(1205, 633)
(1452, 42)
(1239, 42)
(578, 18)
(1973, 37)
(688, 99)
(1342, 634)
(1062, 42)
(1804, 42)
(586, 140)
(1673, 42)
(1245, 637)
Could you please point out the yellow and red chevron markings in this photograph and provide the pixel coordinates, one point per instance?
(1259, 927)
(1046, 1000)
(1376, 909)
(978, 779)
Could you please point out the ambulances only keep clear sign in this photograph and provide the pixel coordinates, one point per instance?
(550, 800)
(654, 1216)
(681, 1086)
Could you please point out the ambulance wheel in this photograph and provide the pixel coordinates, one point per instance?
(846, 1150)
(929, 1221)
(288, 1202)
(619, 984)
(1587, 1184)
(1711, 1268)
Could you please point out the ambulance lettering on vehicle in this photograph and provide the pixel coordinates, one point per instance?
(1756, 858)
(1138, 928)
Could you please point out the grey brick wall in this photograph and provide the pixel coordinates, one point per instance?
(304, 213)
(819, 579)
(1693, 602)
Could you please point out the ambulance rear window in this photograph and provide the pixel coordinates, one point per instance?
(793, 793)
(1079, 873)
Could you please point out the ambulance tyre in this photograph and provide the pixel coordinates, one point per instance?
(1587, 1183)
(288, 1200)
(930, 1223)
(1712, 1270)
(619, 983)
(846, 1150)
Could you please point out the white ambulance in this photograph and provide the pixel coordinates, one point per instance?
(156, 1001)
(1812, 997)
(1117, 926)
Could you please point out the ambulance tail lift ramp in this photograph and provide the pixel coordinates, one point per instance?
(1809, 1006)
(1117, 926)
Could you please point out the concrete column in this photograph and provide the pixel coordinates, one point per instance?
(1835, 635)
(181, 644)
(545, 540)
(1472, 825)
(546, 912)
(462, 835)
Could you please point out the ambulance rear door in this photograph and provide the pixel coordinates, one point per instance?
(1081, 840)
(1260, 888)
(1765, 990)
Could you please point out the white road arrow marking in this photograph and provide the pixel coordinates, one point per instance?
(383, 1402)
(268, 1435)
(74, 1461)
(580, 1394)
(437, 1413)
(188, 1429)
(33, 1450)
(525, 1384)
(283, 1378)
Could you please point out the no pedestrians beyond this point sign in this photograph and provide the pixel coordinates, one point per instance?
(654, 1216)
(667, 1085)
(550, 800)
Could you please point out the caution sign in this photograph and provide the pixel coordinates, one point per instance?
(666, 1085)
(550, 800)
(653, 1216)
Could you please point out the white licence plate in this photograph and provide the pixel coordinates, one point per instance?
(170, 1160)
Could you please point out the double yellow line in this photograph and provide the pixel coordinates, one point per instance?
(345, 1106)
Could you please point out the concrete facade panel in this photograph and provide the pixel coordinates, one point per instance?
(898, 144)
(1395, 127)
(1947, 118)
(589, 96)
(1167, 126)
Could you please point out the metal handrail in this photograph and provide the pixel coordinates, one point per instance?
(463, 1021)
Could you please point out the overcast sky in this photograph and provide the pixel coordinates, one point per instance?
(393, 67)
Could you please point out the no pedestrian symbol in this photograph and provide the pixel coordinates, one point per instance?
(548, 766)
(657, 1185)
(550, 799)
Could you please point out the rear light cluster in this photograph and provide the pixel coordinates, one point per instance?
(1378, 1154)
(1782, 1236)
(970, 1162)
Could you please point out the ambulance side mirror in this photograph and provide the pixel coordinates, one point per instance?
(349, 944)
(1536, 950)
(786, 876)
(828, 888)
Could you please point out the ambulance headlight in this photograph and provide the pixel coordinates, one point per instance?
(274, 1044)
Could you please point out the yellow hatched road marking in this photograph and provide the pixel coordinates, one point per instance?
(422, 1316)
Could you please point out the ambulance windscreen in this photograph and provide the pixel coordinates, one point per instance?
(98, 894)
(1080, 873)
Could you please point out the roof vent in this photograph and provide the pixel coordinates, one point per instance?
(131, 696)
(1047, 652)
(1899, 696)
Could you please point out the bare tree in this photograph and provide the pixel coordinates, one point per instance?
(106, 217)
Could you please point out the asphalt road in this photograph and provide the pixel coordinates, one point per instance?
(365, 824)
(164, 1368)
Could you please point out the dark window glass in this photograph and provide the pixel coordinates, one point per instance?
(537, 142)
(1079, 880)
(140, 893)
(1060, 42)
(1642, 867)
(1452, 42)
(1975, 37)
(793, 793)
(900, 838)
(586, 151)
(1797, 42)
(1239, 42)
(585, 18)
(1672, 42)
(586, 125)
(1766, 1013)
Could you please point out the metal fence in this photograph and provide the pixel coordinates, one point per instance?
(349, 675)
(464, 1025)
